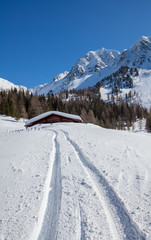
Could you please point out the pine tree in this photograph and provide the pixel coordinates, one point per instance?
(148, 123)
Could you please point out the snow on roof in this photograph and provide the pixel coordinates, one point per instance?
(43, 115)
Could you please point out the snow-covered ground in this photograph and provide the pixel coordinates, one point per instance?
(73, 181)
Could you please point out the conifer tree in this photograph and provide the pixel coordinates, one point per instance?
(148, 123)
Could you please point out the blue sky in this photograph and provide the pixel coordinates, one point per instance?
(42, 38)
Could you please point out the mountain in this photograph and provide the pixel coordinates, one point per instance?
(96, 65)
(105, 66)
(129, 83)
(86, 72)
(139, 55)
(54, 86)
(6, 85)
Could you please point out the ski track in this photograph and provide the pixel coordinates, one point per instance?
(112, 227)
(70, 208)
(112, 204)
(48, 229)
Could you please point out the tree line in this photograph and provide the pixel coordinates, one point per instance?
(85, 103)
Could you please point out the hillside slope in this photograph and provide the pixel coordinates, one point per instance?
(6, 85)
(80, 182)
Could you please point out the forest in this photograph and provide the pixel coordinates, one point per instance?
(84, 102)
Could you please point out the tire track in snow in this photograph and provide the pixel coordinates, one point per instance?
(46, 228)
(108, 197)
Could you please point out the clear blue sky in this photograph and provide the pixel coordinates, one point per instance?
(42, 38)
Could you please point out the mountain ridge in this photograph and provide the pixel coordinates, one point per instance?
(7, 85)
(96, 65)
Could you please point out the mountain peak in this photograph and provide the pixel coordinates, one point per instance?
(142, 44)
(145, 38)
(96, 65)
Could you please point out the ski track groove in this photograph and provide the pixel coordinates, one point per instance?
(131, 230)
(49, 227)
(112, 227)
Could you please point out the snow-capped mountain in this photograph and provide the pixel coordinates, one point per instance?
(6, 85)
(50, 87)
(96, 65)
(86, 72)
(138, 55)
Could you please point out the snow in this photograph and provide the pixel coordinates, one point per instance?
(46, 114)
(74, 181)
(83, 73)
(44, 203)
(37, 89)
(45, 88)
(96, 65)
(24, 165)
(142, 86)
(60, 76)
(6, 85)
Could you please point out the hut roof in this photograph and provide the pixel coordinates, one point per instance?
(46, 114)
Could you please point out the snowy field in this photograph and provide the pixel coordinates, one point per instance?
(74, 182)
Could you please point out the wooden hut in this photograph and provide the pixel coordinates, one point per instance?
(53, 117)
